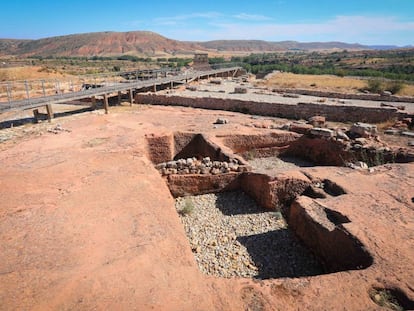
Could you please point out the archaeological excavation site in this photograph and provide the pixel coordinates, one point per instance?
(210, 193)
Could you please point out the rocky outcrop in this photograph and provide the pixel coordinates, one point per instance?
(363, 130)
(160, 148)
(277, 139)
(322, 230)
(183, 185)
(274, 192)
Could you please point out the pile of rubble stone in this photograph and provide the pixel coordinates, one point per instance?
(203, 166)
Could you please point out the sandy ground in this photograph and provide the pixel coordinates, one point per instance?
(87, 223)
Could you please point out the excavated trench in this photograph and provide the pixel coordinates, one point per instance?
(243, 222)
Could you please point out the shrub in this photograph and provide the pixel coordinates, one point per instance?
(375, 86)
(395, 86)
(385, 298)
(340, 73)
(188, 207)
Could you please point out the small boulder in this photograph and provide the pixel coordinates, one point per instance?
(408, 134)
(407, 121)
(363, 129)
(204, 171)
(172, 164)
(285, 127)
(215, 171)
(206, 160)
(400, 125)
(341, 135)
(322, 132)
(161, 166)
(240, 90)
(221, 121)
(361, 141)
(386, 93)
(317, 121)
(392, 132)
(362, 165)
(300, 128)
(358, 165)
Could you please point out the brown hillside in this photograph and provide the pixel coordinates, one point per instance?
(150, 44)
(100, 43)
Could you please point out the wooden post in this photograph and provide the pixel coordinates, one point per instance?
(93, 99)
(26, 85)
(9, 95)
(154, 88)
(36, 115)
(131, 97)
(43, 88)
(119, 97)
(171, 85)
(106, 104)
(49, 112)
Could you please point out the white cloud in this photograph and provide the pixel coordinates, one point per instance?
(251, 17)
(362, 29)
(351, 29)
(180, 19)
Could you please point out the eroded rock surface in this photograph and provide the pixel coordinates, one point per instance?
(86, 222)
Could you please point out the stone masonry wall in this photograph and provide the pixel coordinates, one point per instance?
(374, 97)
(339, 113)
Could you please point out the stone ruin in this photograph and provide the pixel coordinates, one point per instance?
(192, 164)
(203, 166)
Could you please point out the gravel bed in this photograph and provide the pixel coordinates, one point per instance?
(231, 236)
(274, 165)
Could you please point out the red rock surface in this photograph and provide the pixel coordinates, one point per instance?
(86, 222)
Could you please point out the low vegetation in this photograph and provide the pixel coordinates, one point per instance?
(188, 207)
(394, 65)
(378, 86)
(336, 84)
(342, 71)
(386, 299)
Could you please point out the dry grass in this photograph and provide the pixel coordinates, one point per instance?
(324, 83)
(28, 73)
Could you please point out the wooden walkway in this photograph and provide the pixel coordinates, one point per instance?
(118, 88)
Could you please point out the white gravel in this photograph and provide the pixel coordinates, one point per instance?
(232, 237)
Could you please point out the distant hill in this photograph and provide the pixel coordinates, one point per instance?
(389, 47)
(258, 45)
(143, 43)
(150, 44)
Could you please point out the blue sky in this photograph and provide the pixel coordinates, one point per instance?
(361, 21)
